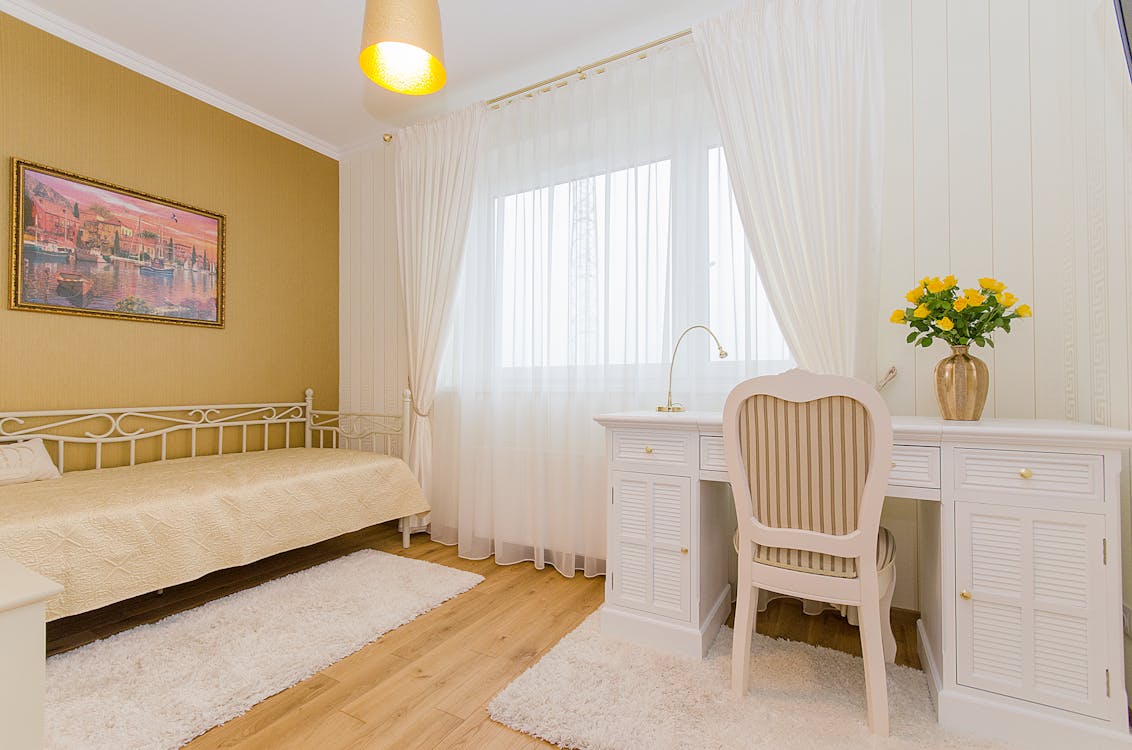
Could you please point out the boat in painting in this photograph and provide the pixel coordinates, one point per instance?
(72, 284)
(46, 251)
(83, 255)
(156, 267)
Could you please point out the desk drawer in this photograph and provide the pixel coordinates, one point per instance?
(711, 453)
(915, 466)
(981, 473)
(637, 447)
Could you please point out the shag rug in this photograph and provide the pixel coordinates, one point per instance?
(158, 686)
(591, 691)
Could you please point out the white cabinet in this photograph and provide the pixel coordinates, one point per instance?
(667, 539)
(1028, 645)
(650, 524)
(1031, 609)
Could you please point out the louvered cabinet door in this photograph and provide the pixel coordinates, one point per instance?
(652, 518)
(1030, 605)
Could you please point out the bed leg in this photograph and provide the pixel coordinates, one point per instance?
(405, 532)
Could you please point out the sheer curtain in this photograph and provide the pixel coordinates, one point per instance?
(435, 163)
(798, 88)
(799, 91)
(602, 226)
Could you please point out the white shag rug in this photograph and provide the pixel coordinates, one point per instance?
(597, 693)
(159, 685)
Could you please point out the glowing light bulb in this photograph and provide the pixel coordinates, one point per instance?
(403, 68)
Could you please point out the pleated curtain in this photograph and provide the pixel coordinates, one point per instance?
(798, 90)
(602, 226)
(434, 163)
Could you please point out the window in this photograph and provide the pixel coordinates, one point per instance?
(589, 273)
(584, 270)
(738, 308)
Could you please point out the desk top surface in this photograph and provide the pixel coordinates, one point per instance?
(1042, 432)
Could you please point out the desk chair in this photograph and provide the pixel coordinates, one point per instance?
(808, 458)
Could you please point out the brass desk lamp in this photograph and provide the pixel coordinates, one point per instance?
(722, 355)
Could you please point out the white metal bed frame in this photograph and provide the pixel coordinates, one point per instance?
(379, 433)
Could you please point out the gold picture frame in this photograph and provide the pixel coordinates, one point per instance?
(82, 246)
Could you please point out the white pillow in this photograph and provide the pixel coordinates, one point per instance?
(28, 461)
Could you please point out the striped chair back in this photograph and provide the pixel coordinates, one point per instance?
(807, 463)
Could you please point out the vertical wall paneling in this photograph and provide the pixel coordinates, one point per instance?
(1054, 253)
(1117, 90)
(930, 188)
(374, 369)
(898, 269)
(1017, 167)
(969, 150)
(1011, 198)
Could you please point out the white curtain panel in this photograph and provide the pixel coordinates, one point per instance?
(602, 226)
(798, 89)
(435, 163)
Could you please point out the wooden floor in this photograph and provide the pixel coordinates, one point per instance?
(427, 683)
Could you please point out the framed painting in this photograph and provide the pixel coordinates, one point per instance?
(85, 247)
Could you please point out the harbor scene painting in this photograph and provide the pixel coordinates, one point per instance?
(85, 247)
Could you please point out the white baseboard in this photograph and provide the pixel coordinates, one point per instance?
(672, 637)
(935, 681)
(1028, 729)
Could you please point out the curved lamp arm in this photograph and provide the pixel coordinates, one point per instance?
(722, 355)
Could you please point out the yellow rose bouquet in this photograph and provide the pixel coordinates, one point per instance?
(940, 310)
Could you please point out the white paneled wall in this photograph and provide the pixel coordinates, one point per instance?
(1010, 154)
(373, 369)
(1009, 131)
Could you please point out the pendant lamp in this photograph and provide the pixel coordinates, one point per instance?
(402, 47)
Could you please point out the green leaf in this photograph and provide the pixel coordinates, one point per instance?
(912, 336)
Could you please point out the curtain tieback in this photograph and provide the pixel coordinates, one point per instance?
(413, 403)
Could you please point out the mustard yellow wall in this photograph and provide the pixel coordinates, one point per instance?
(67, 108)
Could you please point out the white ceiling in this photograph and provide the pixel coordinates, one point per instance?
(291, 65)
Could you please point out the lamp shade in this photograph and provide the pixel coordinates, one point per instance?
(402, 46)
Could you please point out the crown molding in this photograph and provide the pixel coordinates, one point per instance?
(103, 47)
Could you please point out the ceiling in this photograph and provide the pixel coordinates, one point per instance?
(291, 65)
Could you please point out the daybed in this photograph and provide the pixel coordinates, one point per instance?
(111, 533)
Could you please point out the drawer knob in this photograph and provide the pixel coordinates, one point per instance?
(648, 449)
(893, 464)
(1025, 473)
(965, 595)
(683, 550)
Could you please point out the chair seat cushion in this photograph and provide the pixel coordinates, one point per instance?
(823, 564)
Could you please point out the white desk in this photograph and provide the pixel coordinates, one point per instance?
(1020, 582)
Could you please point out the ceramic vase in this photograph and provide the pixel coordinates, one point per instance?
(961, 382)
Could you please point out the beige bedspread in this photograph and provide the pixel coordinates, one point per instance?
(110, 534)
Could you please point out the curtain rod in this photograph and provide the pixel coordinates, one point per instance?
(559, 79)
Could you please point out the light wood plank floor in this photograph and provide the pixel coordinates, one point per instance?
(427, 683)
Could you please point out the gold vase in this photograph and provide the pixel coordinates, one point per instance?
(961, 382)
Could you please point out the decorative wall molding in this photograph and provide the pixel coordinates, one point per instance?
(103, 47)
(1099, 307)
(1069, 334)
